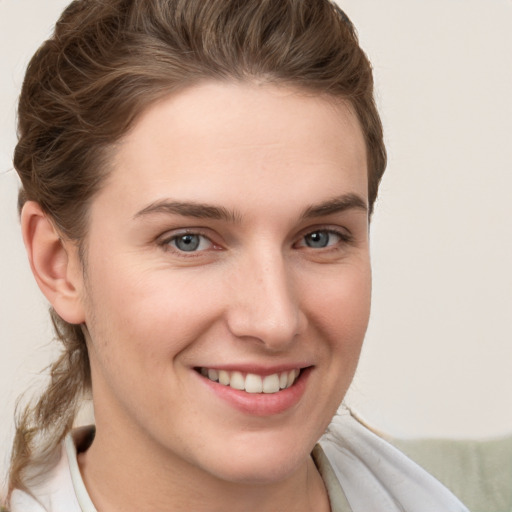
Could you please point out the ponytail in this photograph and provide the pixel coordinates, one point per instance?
(41, 426)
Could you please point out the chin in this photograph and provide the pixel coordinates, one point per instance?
(261, 472)
(260, 463)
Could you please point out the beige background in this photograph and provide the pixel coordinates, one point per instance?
(438, 355)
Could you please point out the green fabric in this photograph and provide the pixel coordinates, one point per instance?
(479, 473)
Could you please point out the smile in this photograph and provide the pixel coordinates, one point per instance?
(250, 382)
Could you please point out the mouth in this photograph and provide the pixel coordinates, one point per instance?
(252, 382)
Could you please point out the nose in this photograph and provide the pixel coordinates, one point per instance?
(264, 304)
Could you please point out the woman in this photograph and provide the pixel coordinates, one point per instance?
(198, 179)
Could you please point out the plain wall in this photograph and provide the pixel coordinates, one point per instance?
(438, 355)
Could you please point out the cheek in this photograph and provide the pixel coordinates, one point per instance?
(339, 313)
(340, 307)
(140, 326)
(153, 314)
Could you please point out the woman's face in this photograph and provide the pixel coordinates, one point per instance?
(229, 242)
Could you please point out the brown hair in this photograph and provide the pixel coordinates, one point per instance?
(105, 63)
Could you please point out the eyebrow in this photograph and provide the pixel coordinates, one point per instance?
(336, 205)
(207, 211)
(190, 209)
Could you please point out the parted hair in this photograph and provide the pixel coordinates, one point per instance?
(105, 63)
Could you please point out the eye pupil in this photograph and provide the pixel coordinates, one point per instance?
(317, 239)
(187, 242)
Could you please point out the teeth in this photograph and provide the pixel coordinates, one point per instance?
(283, 380)
(271, 383)
(252, 383)
(224, 377)
(237, 381)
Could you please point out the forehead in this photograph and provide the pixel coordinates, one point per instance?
(217, 139)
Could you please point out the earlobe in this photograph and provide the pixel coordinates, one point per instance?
(54, 263)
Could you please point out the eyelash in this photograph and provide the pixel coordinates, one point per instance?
(166, 243)
(345, 238)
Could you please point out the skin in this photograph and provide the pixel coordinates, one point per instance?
(253, 294)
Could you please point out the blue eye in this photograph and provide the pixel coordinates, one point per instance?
(190, 243)
(321, 239)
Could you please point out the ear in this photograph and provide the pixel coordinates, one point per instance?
(54, 263)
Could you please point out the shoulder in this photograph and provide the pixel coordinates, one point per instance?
(57, 489)
(374, 473)
(51, 493)
(23, 502)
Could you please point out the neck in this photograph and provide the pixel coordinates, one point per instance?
(122, 472)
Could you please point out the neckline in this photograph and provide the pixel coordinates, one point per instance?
(80, 439)
(337, 497)
(76, 442)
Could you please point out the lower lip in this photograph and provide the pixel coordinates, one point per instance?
(261, 404)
